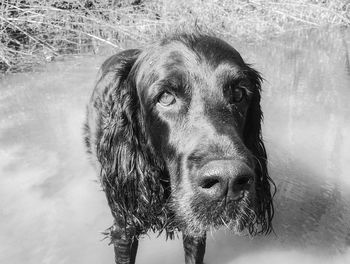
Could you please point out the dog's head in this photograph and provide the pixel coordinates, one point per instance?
(186, 139)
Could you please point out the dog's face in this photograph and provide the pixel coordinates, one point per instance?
(197, 100)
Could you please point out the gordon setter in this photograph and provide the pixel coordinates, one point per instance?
(174, 131)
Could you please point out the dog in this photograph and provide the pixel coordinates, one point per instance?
(174, 132)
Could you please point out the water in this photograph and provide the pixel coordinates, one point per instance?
(52, 209)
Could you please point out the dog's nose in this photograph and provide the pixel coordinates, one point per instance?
(225, 178)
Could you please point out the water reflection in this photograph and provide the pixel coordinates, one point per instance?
(308, 131)
(53, 212)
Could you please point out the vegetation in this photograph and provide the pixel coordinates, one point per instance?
(36, 31)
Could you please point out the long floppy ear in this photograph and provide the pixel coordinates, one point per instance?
(253, 140)
(130, 173)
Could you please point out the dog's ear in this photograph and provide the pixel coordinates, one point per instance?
(253, 140)
(131, 174)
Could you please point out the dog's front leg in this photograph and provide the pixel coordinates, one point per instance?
(125, 244)
(125, 250)
(194, 249)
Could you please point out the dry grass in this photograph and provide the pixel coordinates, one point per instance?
(34, 31)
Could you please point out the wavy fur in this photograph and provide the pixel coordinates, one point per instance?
(264, 210)
(133, 178)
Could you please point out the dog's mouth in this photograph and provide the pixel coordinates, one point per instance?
(236, 216)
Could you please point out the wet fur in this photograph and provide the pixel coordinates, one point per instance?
(135, 176)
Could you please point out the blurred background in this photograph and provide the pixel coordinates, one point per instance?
(34, 31)
(52, 209)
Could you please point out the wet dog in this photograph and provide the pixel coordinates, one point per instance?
(174, 131)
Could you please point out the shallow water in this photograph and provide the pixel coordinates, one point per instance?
(52, 209)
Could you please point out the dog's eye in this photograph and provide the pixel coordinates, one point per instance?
(166, 99)
(237, 94)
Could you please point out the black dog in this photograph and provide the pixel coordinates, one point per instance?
(175, 134)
